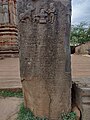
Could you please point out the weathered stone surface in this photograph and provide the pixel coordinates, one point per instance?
(8, 11)
(77, 111)
(83, 48)
(8, 37)
(1, 12)
(5, 12)
(8, 25)
(81, 97)
(44, 28)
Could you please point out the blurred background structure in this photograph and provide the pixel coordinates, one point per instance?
(8, 26)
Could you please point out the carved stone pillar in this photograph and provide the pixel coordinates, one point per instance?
(44, 29)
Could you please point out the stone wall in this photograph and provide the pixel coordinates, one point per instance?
(83, 49)
(81, 96)
(8, 25)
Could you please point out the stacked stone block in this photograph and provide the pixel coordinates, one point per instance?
(81, 96)
(8, 25)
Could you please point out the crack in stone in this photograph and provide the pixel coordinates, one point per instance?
(50, 105)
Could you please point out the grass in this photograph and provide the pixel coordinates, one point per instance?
(8, 93)
(69, 116)
(26, 114)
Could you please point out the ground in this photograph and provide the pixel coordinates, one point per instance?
(80, 66)
(9, 73)
(10, 78)
(9, 108)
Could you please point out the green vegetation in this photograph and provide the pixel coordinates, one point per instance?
(8, 93)
(69, 116)
(26, 114)
(80, 33)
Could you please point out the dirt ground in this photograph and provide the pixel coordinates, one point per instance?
(80, 65)
(9, 73)
(9, 108)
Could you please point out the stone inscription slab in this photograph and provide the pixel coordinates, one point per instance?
(44, 29)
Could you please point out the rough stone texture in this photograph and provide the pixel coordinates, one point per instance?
(44, 28)
(8, 11)
(81, 97)
(77, 111)
(8, 25)
(8, 38)
(83, 49)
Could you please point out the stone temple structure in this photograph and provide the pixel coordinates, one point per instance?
(8, 25)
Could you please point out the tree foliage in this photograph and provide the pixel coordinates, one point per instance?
(80, 33)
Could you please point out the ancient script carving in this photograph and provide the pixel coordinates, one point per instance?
(28, 12)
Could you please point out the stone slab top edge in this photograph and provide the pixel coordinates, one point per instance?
(83, 84)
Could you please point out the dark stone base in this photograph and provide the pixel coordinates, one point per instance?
(81, 97)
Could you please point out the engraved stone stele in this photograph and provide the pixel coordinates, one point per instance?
(44, 30)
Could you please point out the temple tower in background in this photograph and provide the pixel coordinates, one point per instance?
(8, 25)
